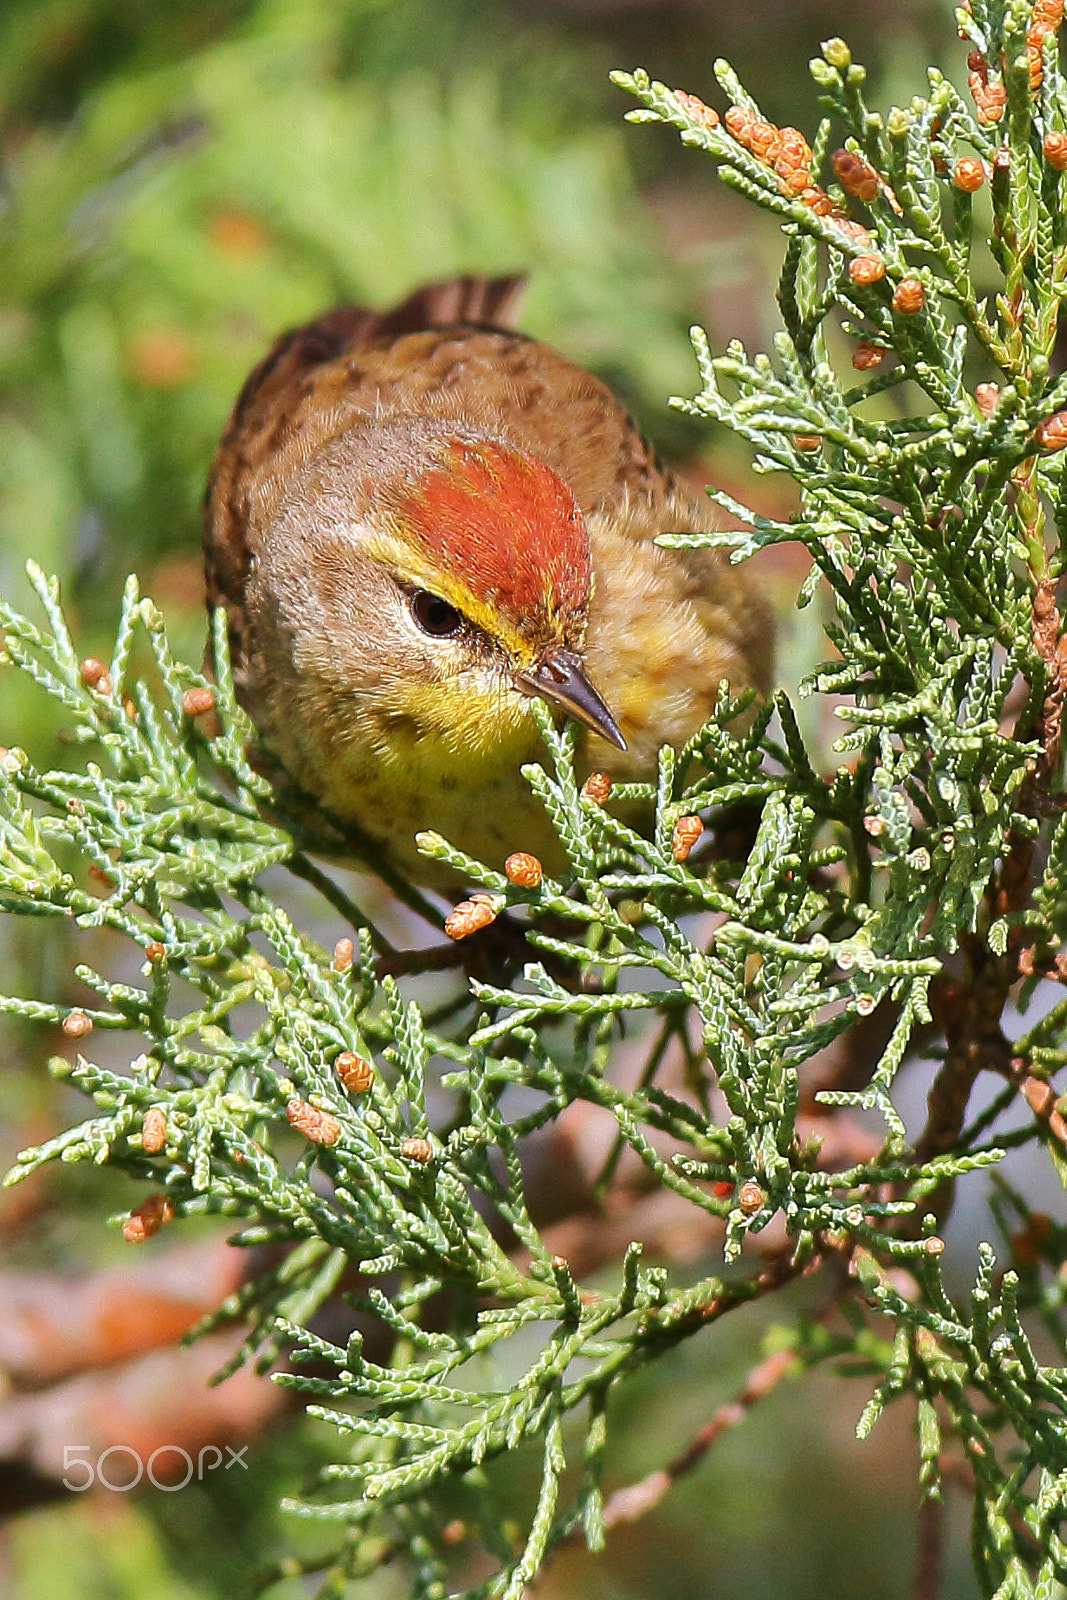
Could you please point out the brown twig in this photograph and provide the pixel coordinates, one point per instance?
(1051, 646)
(848, 1061)
(970, 1010)
(627, 1505)
(637, 1499)
(428, 958)
(494, 953)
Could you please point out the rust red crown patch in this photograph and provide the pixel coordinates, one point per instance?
(508, 524)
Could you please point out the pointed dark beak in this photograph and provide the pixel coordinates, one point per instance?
(559, 678)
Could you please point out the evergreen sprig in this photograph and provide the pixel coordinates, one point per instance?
(893, 906)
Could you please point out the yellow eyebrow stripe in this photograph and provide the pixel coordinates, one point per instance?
(410, 566)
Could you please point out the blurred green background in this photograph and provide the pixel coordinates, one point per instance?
(180, 180)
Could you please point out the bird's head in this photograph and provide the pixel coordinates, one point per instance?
(452, 578)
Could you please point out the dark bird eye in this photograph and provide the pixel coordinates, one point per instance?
(435, 615)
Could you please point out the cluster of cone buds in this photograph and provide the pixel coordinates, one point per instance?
(784, 149)
(1045, 19)
(790, 155)
(908, 298)
(856, 175)
(697, 109)
(989, 94)
(469, 916)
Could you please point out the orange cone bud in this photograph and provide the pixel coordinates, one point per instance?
(1051, 434)
(523, 870)
(196, 701)
(686, 832)
(153, 1131)
(147, 1219)
(318, 1126)
(908, 297)
(866, 269)
(1054, 146)
(356, 1074)
(867, 355)
(968, 174)
(418, 1150)
(467, 917)
(696, 109)
(93, 674)
(855, 174)
(596, 787)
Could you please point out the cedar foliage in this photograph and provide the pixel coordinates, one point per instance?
(921, 886)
